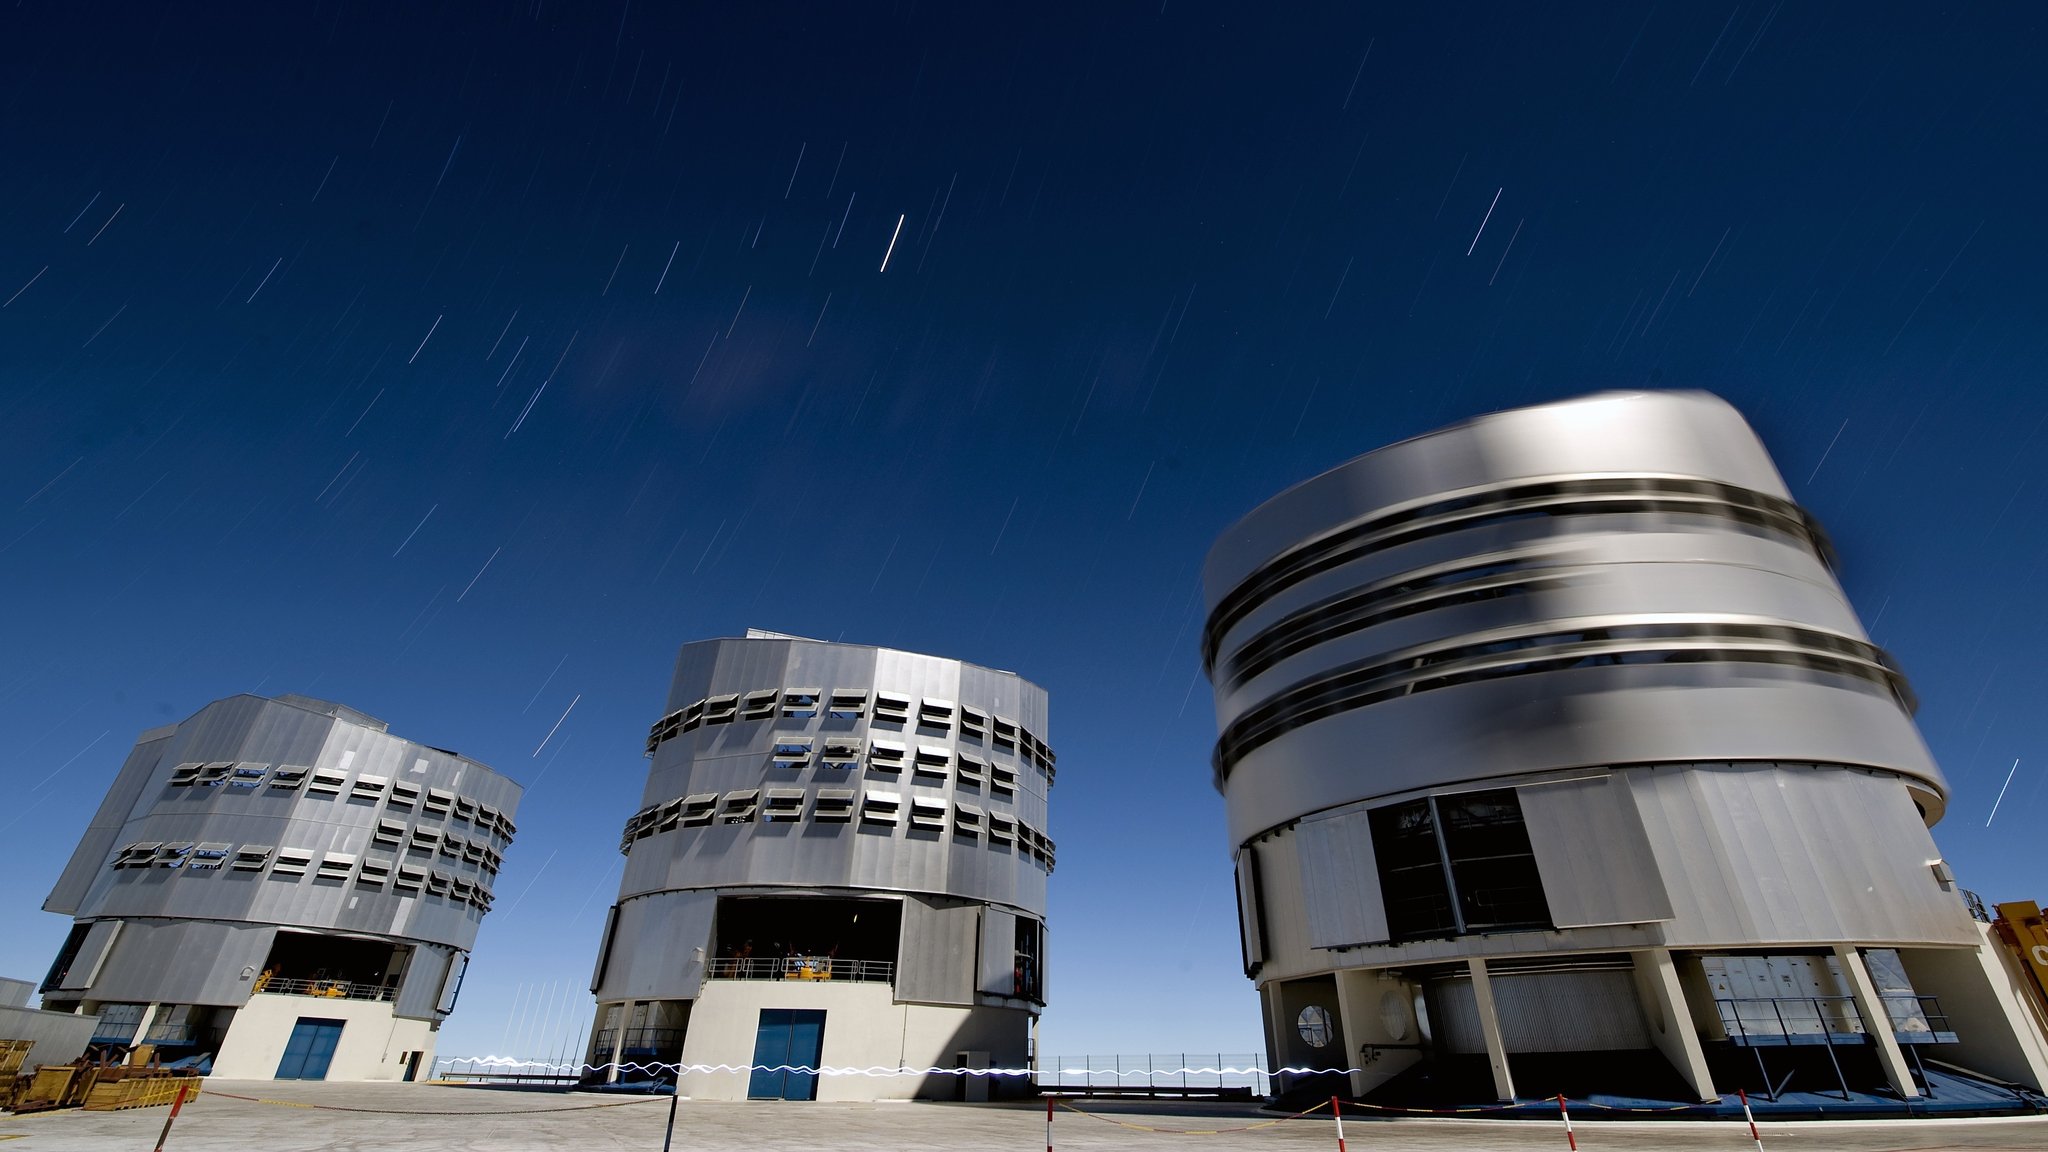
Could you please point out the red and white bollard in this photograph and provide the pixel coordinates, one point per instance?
(175, 1105)
(1749, 1116)
(1337, 1110)
(1048, 1124)
(1566, 1114)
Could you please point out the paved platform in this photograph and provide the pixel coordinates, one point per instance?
(288, 1117)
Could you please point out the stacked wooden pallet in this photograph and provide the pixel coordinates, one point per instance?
(139, 1092)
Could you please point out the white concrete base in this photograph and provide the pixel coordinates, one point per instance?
(373, 1046)
(864, 1028)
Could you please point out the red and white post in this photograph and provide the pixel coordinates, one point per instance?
(175, 1105)
(1048, 1124)
(1749, 1116)
(1565, 1113)
(1337, 1110)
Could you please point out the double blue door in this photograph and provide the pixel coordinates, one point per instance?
(788, 1039)
(310, 1050)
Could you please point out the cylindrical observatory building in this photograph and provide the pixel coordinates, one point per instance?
(284, 885)
(839, 861)
(1550, 746)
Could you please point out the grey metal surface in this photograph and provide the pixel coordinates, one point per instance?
(996, 972)
(1340, 881)
(752, 760)
(411, 837)
(1680, 566)
(60, 1037)
(1583, 1010)
(1595, 859)
(15, 993)
(936, 956)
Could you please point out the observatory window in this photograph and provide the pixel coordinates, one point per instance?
(693, 716)
(885, 756)
(410, 879)
(699, 808)
(848, 703)
(1002, 830)
(438, 802)
(465, 809)
(666, 728)
(1005, 735)
(973, 723)
(247, 775)
(373, 874)
(833, 806)
(721, 709)
(841, 753)
(473, 851)
(210, 857)
(291, 862)
(326, 782)
(892, 709)
(784, 806)
(389, 834)
(213, 775)
(404, 796)
(336, 866)
(288, 776)
(425, 841)
(438, 882)
(758, 705)
(739, 806)
(137, 855)
(1002, 780)
(967, 821)
(928, 814)
(800, 703)
(251, 858)
(792, 751)
(184, 774)
(932, 762)
(935, 713)
(173, 855)
(1457, 864)
(452, 846)
(972, 770)
(665, 818)
(880, 808)
(369, 787)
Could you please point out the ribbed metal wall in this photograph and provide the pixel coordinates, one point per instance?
(194, 849)
(798, 728)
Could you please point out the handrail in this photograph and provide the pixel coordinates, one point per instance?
(802, 968)
(326, 989)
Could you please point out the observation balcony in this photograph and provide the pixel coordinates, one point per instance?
(325, 989)
(803, 968)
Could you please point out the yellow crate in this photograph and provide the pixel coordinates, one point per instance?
(139, 1092)
(12, 1053)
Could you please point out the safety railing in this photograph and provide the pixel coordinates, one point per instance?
(802, 968)
(326, 989)
(1178, 1074)
(1975, 904)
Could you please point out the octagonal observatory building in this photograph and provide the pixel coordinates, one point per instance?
(839, 860)
(1549, 741)
(285, 886)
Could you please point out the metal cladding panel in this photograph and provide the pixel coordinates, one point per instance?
(92, 956)
(935, 961)
(1283, 909)
(658, 947)
(1592, 853)
(89, 859)
(997, 972)
(1340, 880)
(1250, 919)
(1671, 433)
(1569, 719)
(1593, 1010)
(183, 962)
(421, 991)
(1789, 854)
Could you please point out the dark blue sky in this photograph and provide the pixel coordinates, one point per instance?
(459, 365)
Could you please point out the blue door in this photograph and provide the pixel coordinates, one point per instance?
(788, 1039)
(309, 1051)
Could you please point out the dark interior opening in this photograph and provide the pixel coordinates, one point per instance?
(781, 926)
(299, 959)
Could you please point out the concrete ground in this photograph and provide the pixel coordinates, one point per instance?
(305, 1117)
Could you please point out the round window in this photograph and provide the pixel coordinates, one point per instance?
(1315, 1026)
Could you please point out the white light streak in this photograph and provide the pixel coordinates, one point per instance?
(1482, 222)
(558, 725)
(2001, 794)
(892, 238)
(423, 340)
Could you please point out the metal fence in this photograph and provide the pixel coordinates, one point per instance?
(803, 968)
(327, 989)
(1191, 1073)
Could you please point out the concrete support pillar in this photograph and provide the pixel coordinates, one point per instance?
(611, 1075)
(1671, 1027)
(1489, 1024)
(1876, 1021)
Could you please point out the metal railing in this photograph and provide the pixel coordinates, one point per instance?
(1759, 1022)
(1975, 904)
(638, 1040)
(1178, 1074)
(802, 968)
(326, 989)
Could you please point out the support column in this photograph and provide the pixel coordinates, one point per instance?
(1877, 1022)
(1672, 1031)
(1489, 1024)
(619, 1040)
